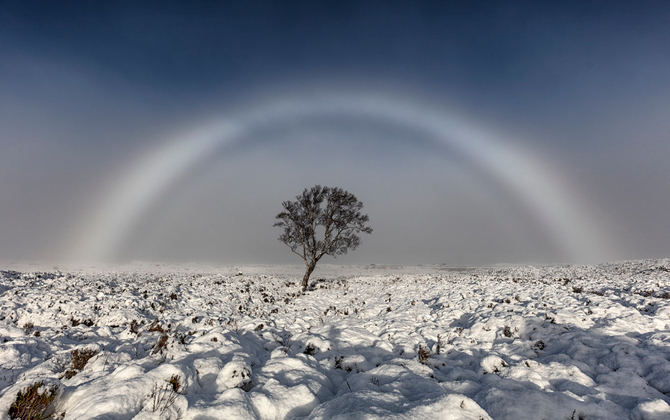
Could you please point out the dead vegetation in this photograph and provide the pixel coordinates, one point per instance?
(423, 354)
(162, 398)
(33, 403)
(79, 360)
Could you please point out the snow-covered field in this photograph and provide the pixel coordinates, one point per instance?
(367, 342)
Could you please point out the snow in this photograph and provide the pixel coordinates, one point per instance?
(371, 342)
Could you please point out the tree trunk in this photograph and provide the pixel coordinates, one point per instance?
(305, 279)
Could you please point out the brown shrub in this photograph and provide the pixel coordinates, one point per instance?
(28, 327)
(156, 326)
(81, 357)
(507, 332)
(30, 404)
(175, 383)
(160, 344)
(423, 354)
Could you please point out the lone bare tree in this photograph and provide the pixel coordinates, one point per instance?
(341, 220)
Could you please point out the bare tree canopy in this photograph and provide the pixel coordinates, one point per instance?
(340, 217)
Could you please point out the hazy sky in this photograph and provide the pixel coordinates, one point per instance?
(474, 132)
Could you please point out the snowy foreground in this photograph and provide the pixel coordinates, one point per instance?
(369, 342)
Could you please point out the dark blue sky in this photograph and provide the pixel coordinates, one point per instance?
(541, 62)
(87, 86)
(504, 47)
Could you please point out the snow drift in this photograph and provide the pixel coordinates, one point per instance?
(364, 343)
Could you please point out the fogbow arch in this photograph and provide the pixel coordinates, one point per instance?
(525, 175)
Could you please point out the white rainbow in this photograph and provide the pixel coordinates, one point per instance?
(527, 176)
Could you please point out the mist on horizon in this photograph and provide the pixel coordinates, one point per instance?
(505, 133)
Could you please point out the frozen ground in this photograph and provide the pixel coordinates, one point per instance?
(367, 343)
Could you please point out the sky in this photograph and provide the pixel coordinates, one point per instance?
(475, 133)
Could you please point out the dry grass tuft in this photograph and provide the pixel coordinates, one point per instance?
(423, 354)
(156, 326)
(175, 382)
(28, 327)
(161, 344)
(33, 403)
(164, 398)
(81, 357)
(79, 360)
